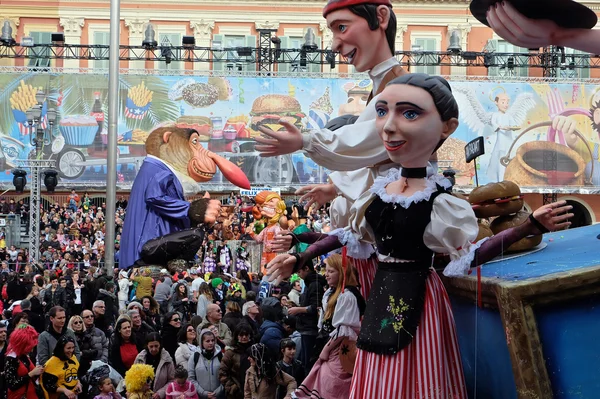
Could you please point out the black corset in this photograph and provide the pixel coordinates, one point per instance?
(399, 231)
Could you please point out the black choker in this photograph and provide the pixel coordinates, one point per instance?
(413, 173)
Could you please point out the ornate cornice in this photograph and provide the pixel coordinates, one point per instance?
(326, 33)
(135, 26)
(203, 27)
(72, 25)
(266, 25)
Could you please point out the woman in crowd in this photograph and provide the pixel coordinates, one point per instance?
(151, 312)
(232, 371)
(34, 298)
(233, 315)
(263, 377)
(179, 301)
(339, 323)
(85, 342)
(20, 372)
(205, 298)
(170, 330)
(76, 292)
(60, 371)
(188, 345)
(162, 363)
(123, 349)
(203, 367)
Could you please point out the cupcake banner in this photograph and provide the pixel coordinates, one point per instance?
(139, 99)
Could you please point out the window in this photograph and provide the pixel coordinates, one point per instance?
(39, 57)
(513, 65)
(230, 60)
(425, 44)
(165, 42)
(576, 65)
(101, 38)
(295, 43)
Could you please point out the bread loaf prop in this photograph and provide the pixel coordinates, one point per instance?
(496, 199)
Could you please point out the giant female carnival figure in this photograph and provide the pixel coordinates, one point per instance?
(157, 212)
(407, 343)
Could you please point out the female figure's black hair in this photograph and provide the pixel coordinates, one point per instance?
(369, 12)
(153, 336)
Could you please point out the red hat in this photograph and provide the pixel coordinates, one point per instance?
(333, 5)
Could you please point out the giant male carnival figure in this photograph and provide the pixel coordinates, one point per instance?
(161, 224)
(364, 31)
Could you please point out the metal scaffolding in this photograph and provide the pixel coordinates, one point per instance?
(36, 166)
(264, 56)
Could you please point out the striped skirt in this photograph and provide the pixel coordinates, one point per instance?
(428, 368)
(366, 269)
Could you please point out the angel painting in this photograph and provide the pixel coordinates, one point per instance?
(501, 124)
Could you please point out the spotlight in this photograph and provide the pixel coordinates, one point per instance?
(511, 63)
(244, 51)
(167, 53)
(19, 180)
(58, 38)
(454, 46)
(6, 38)
(149, 41)
(188, 41)
(330, 57)
(50, 180)
(309, 40)
(488, 60)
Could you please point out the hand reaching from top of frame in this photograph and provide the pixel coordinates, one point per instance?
(514, 27)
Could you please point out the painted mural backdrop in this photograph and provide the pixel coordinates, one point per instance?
(515, 120)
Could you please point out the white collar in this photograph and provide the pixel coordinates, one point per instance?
(190, 186)
(380, 70)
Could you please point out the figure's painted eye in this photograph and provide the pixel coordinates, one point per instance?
(194, 142)
(342, 28)
(410, 114)
(381, 112)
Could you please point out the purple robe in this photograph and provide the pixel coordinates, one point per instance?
(156, 207)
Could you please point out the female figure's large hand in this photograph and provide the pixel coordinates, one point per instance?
(280, 268)
(554, 216)
(521, 31)
(317, 194)
(282, 243)
(281, 142)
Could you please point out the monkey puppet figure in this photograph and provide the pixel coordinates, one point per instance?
(407, 343)
(157, 207)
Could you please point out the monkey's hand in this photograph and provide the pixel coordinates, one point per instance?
(204, 210)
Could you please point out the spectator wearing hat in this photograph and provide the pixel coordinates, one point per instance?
(271, 330)
(124, 285)
(217, 287)
(162, 292)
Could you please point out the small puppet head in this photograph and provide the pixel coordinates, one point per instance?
(181, 148)
(413, 121)
(139, 378)
(270, 206)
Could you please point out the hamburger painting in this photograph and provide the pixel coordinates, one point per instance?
(267, 110)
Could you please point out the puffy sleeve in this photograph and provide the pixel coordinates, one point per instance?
(350, 147)
(346, 317)
(357, 235)
(453, 230)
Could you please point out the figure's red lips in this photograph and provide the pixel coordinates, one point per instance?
(394, 145)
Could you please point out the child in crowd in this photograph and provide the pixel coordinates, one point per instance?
(181, 387)
(107, 390)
